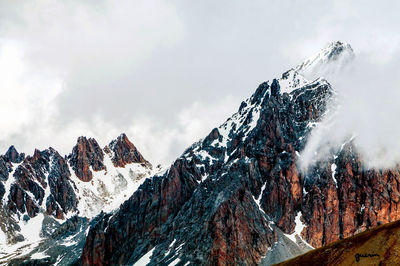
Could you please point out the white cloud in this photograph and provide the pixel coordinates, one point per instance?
(26, 100)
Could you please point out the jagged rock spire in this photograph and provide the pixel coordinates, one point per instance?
(123, 152)
(86, 155)
(13, 155)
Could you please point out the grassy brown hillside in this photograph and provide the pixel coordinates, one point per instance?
(378, 246)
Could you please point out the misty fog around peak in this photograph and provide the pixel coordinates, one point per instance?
(365, 111)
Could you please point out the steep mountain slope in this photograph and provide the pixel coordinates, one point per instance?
(45, 192)
(378, 246)
(238, 197)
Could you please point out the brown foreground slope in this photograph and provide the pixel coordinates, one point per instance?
(378, 246)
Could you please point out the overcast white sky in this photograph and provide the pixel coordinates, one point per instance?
(164, 72)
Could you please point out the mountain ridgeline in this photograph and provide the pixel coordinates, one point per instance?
(237, 197)
(41, 192)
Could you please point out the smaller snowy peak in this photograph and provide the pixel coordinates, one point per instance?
(86, 156)
(123, 152)
(327, 61)
(123, 169)
(13, 155)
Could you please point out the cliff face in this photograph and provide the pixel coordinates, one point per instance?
(354, 200)
(245, 200)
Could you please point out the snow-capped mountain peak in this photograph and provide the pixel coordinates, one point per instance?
(327, 61)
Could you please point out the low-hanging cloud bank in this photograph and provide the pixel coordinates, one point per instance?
(366, 112)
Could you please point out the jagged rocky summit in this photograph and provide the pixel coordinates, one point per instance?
(46, 192)
(237, 197)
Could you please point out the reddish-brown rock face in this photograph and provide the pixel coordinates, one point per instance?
(361, 199)
(124, 152)
(240, 233)
(321, 213)
(155, 202)
(86, 155)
